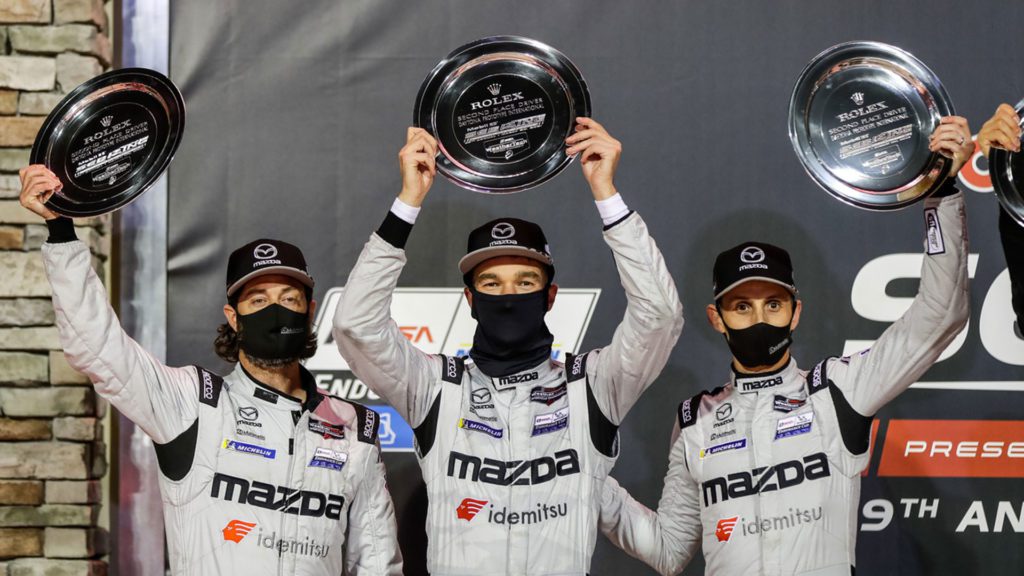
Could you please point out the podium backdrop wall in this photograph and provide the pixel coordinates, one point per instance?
(296, 112)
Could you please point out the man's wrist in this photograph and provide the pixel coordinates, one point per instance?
(411, 199)
(947, 188)
(61, 230)
(405, 211)
(397, 225)
(603, 191)
(612, 209)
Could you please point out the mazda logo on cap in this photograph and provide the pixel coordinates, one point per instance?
(265, 251)
(752, 254)
(502, 231)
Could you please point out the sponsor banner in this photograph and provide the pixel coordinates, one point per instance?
(394, 434)
(437, 321)
(954, 448)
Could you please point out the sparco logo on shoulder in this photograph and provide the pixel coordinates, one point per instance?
(766, 479)
(515, 472)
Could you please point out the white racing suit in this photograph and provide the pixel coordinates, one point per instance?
(764, 472)
(514, 466)
(253, 481)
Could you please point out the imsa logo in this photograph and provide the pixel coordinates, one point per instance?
(777, 477)
(515, 472)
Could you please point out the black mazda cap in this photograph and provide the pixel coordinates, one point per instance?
(507, 237)
(753, 261)
(266, 256)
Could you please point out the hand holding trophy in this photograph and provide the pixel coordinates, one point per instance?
(861, 120)
(1000, 140)
(108, 141)
(501, 108)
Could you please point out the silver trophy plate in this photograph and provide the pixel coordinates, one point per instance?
(110, 139)
(1007, 171)
(860, 118)
(501, 109)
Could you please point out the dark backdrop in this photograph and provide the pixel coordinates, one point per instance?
(296, 112)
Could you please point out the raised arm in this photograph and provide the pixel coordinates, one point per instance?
(620, 372)
(369, 340)
(1003, 130)
(1012, 235)
(161, 400)
(668, 538)
(941, 308)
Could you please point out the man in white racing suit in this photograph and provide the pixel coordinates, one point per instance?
(764, 472)
(514, 447)
(260, 472)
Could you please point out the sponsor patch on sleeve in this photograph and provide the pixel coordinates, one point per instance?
(329, 459)
(933, 232)
(724, 447)
(794, 425)
(480, 427)
(545, 423)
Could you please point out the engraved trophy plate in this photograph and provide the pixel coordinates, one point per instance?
(860, 118)
(110, 139)
(1007, 171)
(501, 109)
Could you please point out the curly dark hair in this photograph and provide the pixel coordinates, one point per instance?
(227, 344)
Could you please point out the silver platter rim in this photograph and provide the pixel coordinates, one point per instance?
(906, 65)
(558, 66)
(1007, 185)
(80, 101)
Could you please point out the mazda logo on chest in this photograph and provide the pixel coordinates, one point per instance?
(724, 411)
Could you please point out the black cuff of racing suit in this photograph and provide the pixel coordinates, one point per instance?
(394, 230)
(61, 230)
(948, 188)
(1011, 234)
(619, 221)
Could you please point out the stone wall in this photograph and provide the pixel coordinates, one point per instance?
(52, 453)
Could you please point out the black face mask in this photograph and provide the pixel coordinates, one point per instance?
(759, 345)
(273, 333)
(511, 335)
